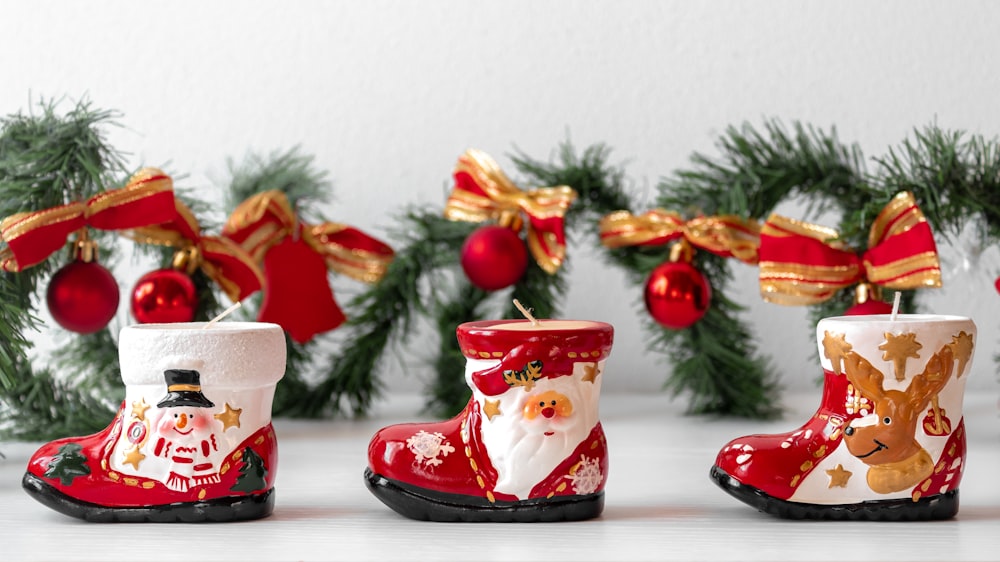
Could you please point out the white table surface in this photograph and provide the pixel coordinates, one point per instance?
(660, 505)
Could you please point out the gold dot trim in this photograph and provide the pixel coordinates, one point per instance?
(201, 494)
(131, 481)
(148, 485)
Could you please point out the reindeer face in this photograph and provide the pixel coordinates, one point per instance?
(886, 435)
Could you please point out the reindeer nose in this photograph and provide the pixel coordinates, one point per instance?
(848, 431)
(548, 411)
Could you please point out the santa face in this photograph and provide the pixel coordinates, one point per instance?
(181, 421)
(537, 429)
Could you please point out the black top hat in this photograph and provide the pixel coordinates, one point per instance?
(184, 389)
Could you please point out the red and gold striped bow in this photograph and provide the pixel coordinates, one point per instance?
(297, 257)
(483, 192)
(725, 235)
(32, 237)
(802, 263)
(222, 260)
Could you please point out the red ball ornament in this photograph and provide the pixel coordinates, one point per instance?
(494, 257)
(997, 284)
(82, 297)
(164, 296)
(677, 295)
(869, 307)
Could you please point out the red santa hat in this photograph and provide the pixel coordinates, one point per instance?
(527, 354)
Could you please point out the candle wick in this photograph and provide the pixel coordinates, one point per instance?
(224, 313)
(526, 312)
(895, 307)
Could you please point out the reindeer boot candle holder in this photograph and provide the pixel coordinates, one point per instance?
(193, 439)
(888, 440)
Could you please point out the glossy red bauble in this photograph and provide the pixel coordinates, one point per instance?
(82, 297)
(869, 307)
(677, 295)
(494, 257)
(164, 296)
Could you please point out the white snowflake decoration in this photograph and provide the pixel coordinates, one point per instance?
(587, 476)
(427, 447)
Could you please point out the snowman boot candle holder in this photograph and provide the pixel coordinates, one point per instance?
(888, 440)
(193, 439)
(527, 447)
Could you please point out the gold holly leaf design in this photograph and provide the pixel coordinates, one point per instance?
(835, 348)
(961, 345)
(525, 377)
(898, 349)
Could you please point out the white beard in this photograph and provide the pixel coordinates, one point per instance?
(519, 449)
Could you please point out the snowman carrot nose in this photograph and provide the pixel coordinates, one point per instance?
(183, 421)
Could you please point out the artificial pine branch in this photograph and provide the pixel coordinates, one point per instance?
(47, 160)
(449, 392)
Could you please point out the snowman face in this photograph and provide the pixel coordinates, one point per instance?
(183, 420)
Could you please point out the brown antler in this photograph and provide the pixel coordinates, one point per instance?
(929, 383)
(864, 376)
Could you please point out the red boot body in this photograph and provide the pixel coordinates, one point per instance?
(528, 447)
(195, 446)
(888, 440)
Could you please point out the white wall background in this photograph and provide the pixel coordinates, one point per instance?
(387, 94)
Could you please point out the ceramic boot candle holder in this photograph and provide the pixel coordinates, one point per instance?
(193, 439)
(529, 445)
(888, 440)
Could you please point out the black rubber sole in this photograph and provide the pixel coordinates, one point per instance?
(426, 505)
(233, 508)
(941, 506)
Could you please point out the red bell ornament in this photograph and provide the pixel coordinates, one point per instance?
(82, 296)
(164, 296)
(677, 295)
(494, 257)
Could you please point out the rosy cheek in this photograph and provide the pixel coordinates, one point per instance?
(199, 421)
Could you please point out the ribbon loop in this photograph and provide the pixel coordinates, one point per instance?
(32, 237)
(802, 263)
(482, 192)
(724, 235)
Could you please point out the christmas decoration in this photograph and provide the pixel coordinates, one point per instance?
(221, 260)
(529, 445)
(172, 452)
(428, 249)
(492, 258)
(296, 257)
(163, 296)
(676, 294)
(865, 454)
(82, 296)
(953, 177)
(803, 263)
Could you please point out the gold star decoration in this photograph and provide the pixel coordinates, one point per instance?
(835, 347)
(839, 476)
(961, 346)
(491, 408)
(133, 457)
(230, 417)
(139, 409)
(898, 349)
(590, 373)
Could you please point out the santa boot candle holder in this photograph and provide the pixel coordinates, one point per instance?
(888, 440)
(527, 447)
(193, 439)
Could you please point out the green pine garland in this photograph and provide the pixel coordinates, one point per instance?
(47, 160)
(715, 361)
